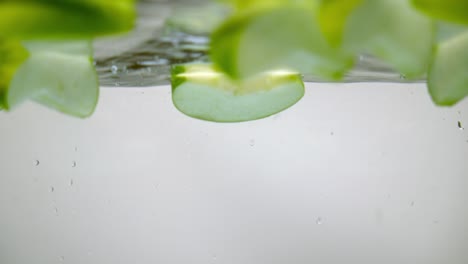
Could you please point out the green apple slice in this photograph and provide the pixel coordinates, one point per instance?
(12, 55)
(58, 75)
(448, 74)
(332, 18)
(281, 38)
(201, 92)
(197, 20)
(450, 10)
(393, 31)
(73, 19)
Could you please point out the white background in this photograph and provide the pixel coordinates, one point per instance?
(356, 173)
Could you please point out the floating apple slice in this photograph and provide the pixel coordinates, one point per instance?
(283, 37)
(45, 19)
(58, 75)
(201, 92)
(448, 74)
(197, 20)
(450, 10)
(332, 18)
(393, 31)
(12, 55)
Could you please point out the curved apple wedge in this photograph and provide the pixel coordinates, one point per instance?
(58, 75)
(201, 92)
(448, 74)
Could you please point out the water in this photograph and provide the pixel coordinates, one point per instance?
(144, 57)
(251, 192)
(136, 191)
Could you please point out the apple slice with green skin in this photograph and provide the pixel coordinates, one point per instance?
(448, 74)
(332, 18)
(283, 37)
(393, 31)
(12, 55)
(58, 75)
(450, 10)
(65, 19)
(201, 92)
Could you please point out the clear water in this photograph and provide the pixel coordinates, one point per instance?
(354, 173)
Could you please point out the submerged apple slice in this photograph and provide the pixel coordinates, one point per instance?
(201, 92)
(282, 37)
(448, 74)
(59, 75)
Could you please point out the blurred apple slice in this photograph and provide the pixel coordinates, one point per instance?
(448, 74)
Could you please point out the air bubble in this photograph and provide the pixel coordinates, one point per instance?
(319, 221)
(114, 69)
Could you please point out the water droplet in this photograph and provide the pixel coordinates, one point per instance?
(56, 210)
(332, 133)
(73, 164)
(62, 258)
(114, 69)
(402, 77)
(252, 142)
(52, 189)
(412, 203)
(72, 182)
(435, 221)
(319, 221)
(37, 162)
(76, 149)
(459, 112)
(460, 126)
